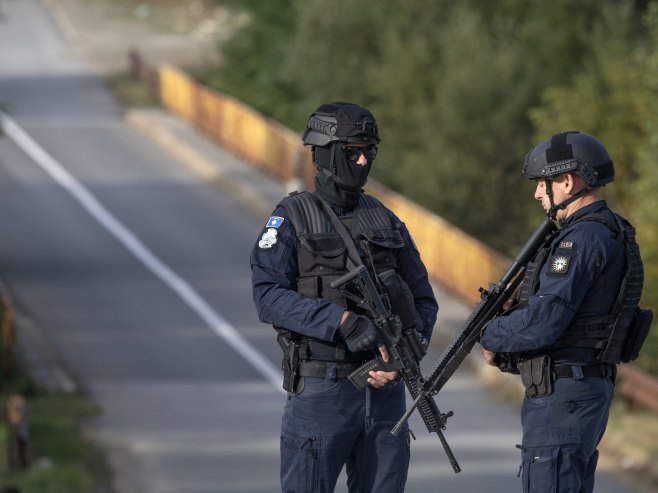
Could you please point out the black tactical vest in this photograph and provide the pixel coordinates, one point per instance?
(321, 252)
(322, 258)
(619, 334)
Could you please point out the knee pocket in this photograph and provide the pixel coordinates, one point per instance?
(553, 463)
(300, 462)
(540, 469)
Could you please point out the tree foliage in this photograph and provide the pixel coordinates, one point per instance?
(450, 84)
(253, 70)
(615, 99)
(462, 90)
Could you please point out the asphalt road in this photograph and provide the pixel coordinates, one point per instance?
(136, 273)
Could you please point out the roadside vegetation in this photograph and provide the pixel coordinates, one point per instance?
(630, 444)
(462, 90)
(61, 459)
(131, 92)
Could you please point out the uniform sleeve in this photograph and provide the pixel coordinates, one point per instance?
(274, 282)
(413, 272)
(565, 279)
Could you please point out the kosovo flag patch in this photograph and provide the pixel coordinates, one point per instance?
(274, 222)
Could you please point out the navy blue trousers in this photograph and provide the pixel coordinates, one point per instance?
(330, 425)
(560, 434)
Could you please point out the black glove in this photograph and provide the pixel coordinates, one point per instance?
(359, 333)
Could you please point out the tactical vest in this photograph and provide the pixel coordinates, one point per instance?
(322, 258)
(619, 334)
(321, 252)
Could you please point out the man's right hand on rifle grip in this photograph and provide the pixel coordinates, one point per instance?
(358, 332)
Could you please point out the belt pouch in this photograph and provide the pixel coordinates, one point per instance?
(536, 376)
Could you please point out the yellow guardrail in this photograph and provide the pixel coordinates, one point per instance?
(458, 261)
(453, 258)
(257, 139)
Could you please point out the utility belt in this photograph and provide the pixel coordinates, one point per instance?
(538, 374)
(305, 357)
(318, 369)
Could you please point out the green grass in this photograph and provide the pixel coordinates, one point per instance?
(64, 461)
(132, 93)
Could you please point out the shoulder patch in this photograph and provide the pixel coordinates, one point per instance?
(274, 222)
(559, 264)
(268, 240)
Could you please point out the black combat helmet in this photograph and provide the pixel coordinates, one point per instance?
(570, 152)
(332, 132)
(340, 122)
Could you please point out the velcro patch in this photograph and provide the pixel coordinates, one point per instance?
(566, 244)
(559, 264)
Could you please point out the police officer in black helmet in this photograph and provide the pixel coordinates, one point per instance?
(327, 422)
(576, 316)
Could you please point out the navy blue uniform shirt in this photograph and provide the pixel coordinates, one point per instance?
(581, 276)
(274, 280)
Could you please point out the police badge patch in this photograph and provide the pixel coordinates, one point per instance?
(559, 265)
(268, 240)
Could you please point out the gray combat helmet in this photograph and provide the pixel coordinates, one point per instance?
(570, 152)
(340, 122)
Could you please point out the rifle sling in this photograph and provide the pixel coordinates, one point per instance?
(353, 256)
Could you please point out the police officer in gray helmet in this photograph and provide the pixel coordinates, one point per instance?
(327, 422)
(575, 319)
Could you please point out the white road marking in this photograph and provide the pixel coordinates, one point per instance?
(189, 296)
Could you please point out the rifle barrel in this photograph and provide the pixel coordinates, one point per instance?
(492, 301)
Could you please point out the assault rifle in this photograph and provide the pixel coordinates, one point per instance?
(490, 305)
(405, 349)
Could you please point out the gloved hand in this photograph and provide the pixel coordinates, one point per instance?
(359, 333)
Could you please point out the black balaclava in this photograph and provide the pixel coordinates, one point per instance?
(339, 181)
(329, 129)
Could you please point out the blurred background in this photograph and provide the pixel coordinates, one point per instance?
(461, 91)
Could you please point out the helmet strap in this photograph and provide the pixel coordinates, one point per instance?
(325, 158)
(332, 160)
(552, 212)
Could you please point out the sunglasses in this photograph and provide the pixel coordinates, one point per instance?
(354, 153)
